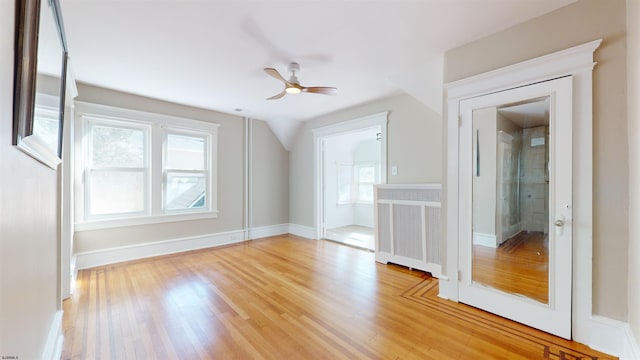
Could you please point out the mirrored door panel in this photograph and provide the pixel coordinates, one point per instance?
(515, 181)
(510, 198)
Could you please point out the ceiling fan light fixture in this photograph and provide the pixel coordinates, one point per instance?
(292, 86)
(292, 90)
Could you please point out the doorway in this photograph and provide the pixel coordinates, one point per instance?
(351, 167)
(576, 63)
(350, 158)
(515, 166)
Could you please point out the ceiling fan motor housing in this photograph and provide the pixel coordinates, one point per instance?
(294, 67)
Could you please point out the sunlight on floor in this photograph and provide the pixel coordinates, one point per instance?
(358, 236)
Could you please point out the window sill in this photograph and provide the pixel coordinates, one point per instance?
(143, 220)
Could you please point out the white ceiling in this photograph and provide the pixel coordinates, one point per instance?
(528, 114)
(210, 54)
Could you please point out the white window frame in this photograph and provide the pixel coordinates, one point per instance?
(89, 122)
(206, 172)
(159, 126)
(357, 182)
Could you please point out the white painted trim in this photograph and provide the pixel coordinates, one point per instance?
(613, 337)
(434, 269)
(561, 63)
(53, 346)
(484, 240)
(266, 231)
(91, 259)
(380, 119)
(302, 231)
(576, 61)
(35, 147)
(247, 177)
(435, 204)
(410, 186)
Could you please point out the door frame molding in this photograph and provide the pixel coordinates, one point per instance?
(379, 119)
(577, 62)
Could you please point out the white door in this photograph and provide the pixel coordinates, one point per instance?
(527, 278)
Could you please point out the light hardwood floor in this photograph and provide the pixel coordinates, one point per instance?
(519, 266)
(285, 298)
(353, 235)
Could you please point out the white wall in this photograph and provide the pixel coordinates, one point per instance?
(575, 24)
(353, 149)
(633, 88)
(338, 150)
(28, 227)
(270, 173)
(414, 145)
(484, 186)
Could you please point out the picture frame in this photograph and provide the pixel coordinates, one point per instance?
(40, 71)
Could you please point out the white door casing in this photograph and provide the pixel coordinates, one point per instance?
(578, 62)
(554, 317)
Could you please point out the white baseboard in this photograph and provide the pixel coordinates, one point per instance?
(613, 337)
(53, 347)
(484, 239)
(91, 259)
(302, 231)
(266, 231)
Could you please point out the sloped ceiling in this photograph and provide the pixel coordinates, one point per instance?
(211, 54)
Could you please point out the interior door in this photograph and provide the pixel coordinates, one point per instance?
(515, 230)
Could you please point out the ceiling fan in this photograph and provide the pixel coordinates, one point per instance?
(292, 86)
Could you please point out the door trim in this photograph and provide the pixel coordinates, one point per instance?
(577, 62)
(554, 316)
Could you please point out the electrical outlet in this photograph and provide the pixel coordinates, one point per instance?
(394, 170)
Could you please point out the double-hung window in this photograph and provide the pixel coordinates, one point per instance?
(117, 169)
(366, 177)
(186, 171)
(142, 168)
(355, 182)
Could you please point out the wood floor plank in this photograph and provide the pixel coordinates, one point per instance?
(284, 298)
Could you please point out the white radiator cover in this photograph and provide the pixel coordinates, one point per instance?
(407, 226)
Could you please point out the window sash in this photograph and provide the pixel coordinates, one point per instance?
(90, 200)
(205, 172)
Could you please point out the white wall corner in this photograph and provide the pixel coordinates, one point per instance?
(302, 231)
(613, 337)
(631, 349)
(53, 347)
(266, 231)
(91, 259)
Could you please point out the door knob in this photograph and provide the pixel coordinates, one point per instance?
(559, 223)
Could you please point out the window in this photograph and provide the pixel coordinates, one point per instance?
(355, 182)
(140, 168)
(185, 172)
(366, 178)
(117, 169)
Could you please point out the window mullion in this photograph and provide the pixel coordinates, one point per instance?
(156, 181)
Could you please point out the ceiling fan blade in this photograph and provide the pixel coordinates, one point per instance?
(278, 96)
(321, 90)
(273, 72)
